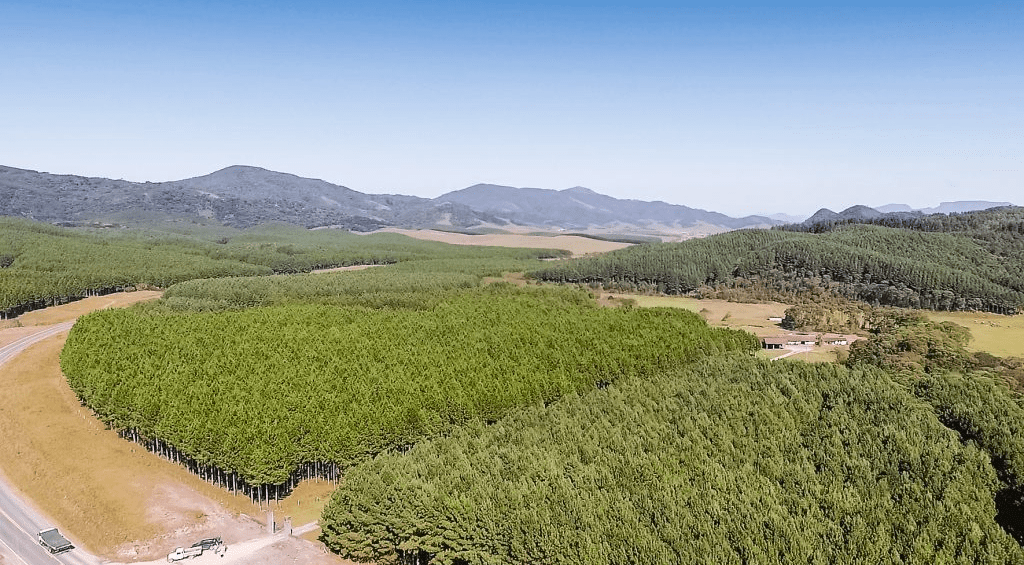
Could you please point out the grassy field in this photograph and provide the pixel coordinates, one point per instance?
(573, 243)
(721, 313)
(999, 335)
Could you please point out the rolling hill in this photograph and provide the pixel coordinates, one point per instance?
(580, 207)
(241, 196)
(972, 261)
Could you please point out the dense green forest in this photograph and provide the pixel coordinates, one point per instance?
(261, 393)
(493, 424)
(411, 284)
(977, 269)
(730, 461)
(41, 264)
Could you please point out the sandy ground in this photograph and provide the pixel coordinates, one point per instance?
(110, 496)
(572, 243)
(265, 550)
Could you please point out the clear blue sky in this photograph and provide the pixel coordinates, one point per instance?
(739, 107)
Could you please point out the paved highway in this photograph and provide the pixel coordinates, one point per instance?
(19, 521)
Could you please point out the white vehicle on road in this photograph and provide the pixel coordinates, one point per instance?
(211, 544)
(184, 553)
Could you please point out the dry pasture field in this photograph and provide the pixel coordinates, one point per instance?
(993, 333)
(752, 317)
(574, 244)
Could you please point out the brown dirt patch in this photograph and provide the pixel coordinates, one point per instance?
(72, 310)
(572, 243)
(291, 550)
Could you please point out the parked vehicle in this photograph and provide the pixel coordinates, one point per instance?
(209, 544)
(54, 542)
(184, 553)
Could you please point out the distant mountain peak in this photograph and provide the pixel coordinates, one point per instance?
(822, 215)
(243, 168)
(860, 211)
(245, 195)
(582, 208)
(579, 190)
(894, 208)
(963, 206)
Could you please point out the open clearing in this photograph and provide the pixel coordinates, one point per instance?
(572, 243)
(993, 333)
(112, 497)
(752, 317)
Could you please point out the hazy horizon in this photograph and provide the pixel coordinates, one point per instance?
(739, 108)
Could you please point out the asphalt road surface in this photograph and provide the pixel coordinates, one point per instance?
(19, 521)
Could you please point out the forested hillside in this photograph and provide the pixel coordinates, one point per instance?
(731, 461)
(510, 425)
(260, 394)
(42, 265)
(981, 224)
(981, 268)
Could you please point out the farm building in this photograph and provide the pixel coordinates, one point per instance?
(833, 339)
(801, 340)
(773, 342)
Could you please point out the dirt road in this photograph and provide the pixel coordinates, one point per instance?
(19, 520)
(793, 350)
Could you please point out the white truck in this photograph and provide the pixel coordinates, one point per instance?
(197, 549)
(184, 553)
(54, 542)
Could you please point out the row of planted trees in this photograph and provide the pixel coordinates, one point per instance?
(258, 393)
(232, 481)
(43, 265)
(730, 461)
